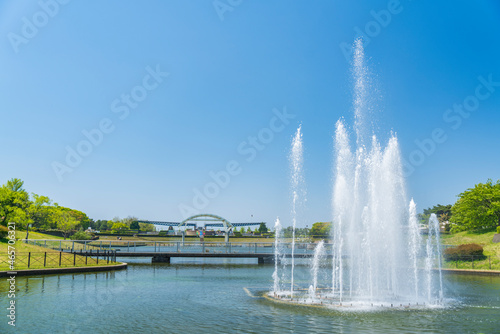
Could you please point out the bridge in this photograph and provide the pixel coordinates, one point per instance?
(163, 251)
(209, 220)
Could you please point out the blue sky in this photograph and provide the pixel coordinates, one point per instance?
(178, 89)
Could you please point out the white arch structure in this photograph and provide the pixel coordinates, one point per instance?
(213, 220)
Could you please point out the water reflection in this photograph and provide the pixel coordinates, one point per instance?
(188, 297)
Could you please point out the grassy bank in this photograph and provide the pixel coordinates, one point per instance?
(38, 257)
(36, 235)
(491, 250)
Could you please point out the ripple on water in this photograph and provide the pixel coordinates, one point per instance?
(210, 299)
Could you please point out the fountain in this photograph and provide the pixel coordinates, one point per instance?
(415, 242)
(377, 258)
(277, 256)
(433, 251)
(319, 253)
(296, 161)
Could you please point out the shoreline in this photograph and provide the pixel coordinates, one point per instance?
(479, 272)
(69, 270)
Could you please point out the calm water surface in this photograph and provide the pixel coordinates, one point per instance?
(208, 296)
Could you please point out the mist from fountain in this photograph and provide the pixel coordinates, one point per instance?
(415, 243)
(433, 251)
(277, 255)
(319, 254)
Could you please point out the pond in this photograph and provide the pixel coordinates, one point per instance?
(225, 296)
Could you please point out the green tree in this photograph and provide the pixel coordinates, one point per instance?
(40, 211)
(118, 226)
(14, 201)
(135, 225)
(443, 212)
(321, 229)
(102, 225)
(129, 220)
(263, 228)
(82, 218)
(477, 208)
(147, 227)
(65, 222)
(92, 223)
(287, 232)
(16, 206)
(15, 185)
(110, 223)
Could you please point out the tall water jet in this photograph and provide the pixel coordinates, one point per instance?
(342, 201)
(415, 243)
(277, 255)
(377, 255)
(374, 234)
(319, 253)
(433, 251)
(360, 75)
(296, 163)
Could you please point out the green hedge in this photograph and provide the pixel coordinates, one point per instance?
(80, 235)
(467, 252)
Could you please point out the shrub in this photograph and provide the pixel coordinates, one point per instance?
(498, 229)
(321, 230)
(465, 252)
(4, 231)
(80, 235)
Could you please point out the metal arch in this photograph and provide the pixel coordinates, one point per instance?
(247, 224)
(154, 222)
(227, 225)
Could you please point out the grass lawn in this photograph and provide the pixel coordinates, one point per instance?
(491, 250)
(41, 257)
(36, 235)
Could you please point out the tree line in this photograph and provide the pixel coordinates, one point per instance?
(40, 212)
(17, 205)
(476, 209)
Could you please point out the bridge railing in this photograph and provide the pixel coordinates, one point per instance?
(123, 246)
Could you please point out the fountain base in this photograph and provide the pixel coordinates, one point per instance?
(327, 300)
